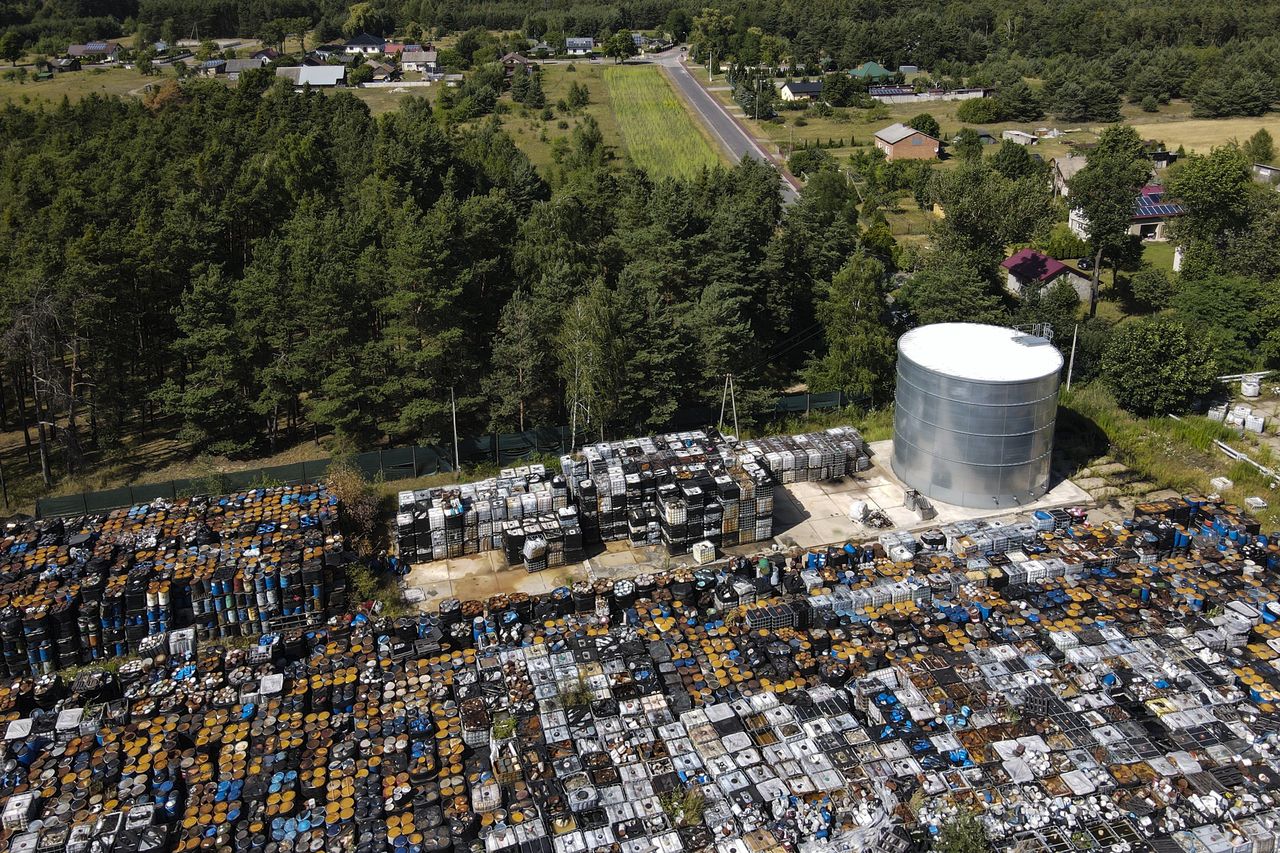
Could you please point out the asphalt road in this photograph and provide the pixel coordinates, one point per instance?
(731, 135)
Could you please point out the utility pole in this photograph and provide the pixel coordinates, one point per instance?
(457, 465)
(728, 396)
(1072, 363)
(724, 397)
(733, 401)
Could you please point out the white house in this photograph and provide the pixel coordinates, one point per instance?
(1029, 270)
(1151, 216)
(365, 44)
(579, 46)
(419, 60)
(800, 90)
(1064, 169)
(106, 51)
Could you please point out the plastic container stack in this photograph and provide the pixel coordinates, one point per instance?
(440, 523)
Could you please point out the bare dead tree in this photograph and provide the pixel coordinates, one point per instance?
(52, 352)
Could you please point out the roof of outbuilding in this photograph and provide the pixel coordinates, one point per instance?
(895, 133)
(1030, 265)
(871, 68)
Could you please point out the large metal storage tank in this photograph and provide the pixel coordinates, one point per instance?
(974, 413)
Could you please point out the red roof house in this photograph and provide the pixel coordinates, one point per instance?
(1029, 268)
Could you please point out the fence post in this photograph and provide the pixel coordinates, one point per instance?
(807, 401)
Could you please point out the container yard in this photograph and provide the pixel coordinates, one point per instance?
(82, 590)
(1078, 686)
(679, 491)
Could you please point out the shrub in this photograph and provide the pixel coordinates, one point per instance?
(359, 503)
(1158, 366)
(1152, 288)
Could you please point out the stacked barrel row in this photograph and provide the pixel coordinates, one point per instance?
(79, 590)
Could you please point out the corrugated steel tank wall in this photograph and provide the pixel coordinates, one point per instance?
(973, 442)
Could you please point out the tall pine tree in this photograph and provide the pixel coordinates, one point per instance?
(860, 349)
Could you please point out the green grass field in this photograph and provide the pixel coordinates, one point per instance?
(78, 84)
(658, 133)
(537, 137)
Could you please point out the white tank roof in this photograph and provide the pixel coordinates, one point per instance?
(980, 353)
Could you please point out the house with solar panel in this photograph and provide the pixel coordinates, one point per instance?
(1152, 212)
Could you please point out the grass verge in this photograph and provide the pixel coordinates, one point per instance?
(657, 132)
(1176, 454)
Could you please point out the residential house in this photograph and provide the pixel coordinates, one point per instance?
(871, 70)
(1151, 215)
(1020, 136)
(364, 44)
(1063, 169)
(63, 64)
(419, 60)
(328, 51)
(799, 90)
(229, 68)
(899, 142)
(541, 49)
(101, 51)
(579, 46)
(393, 48)
(1160, 158)
(644, 42)
(314, 75)
(513, 61)
(1029, 269)
(267, 54)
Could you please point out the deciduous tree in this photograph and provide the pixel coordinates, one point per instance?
(1105, 192)
(1158, 366)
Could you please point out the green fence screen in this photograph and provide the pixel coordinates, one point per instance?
(397, 463)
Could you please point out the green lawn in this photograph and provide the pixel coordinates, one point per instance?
(657, 131)
(77, 84)
(1159, 255)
